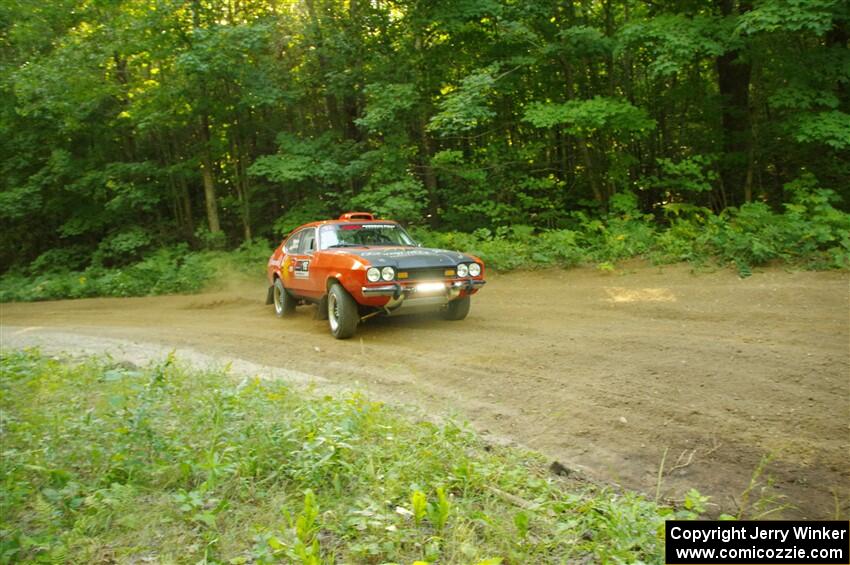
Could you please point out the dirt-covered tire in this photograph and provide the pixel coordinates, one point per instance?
(343, 315)
(284, 303)
(457, 309)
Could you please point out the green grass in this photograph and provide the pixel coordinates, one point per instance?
(106, 462)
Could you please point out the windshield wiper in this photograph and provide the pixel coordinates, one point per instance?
(346, 245)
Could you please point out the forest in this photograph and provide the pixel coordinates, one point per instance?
(534, 132)
(164, 147)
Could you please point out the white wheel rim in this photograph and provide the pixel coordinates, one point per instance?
(278, 302)
(333, 311)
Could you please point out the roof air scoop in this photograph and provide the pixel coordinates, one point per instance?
(357, 216)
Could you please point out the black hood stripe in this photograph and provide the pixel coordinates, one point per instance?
(410, 257)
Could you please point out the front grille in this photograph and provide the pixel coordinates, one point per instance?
(429, 273)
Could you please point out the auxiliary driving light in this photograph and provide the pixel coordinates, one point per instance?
(430, 287)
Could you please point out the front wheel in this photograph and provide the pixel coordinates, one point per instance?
(457, 309)
(343, 315)
(284, 303)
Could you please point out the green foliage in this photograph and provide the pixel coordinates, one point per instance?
(164, 271)
(691, 174)
(584, 117)
(465, 107)
(122, 247)
(811, 233)
(585, 41)
(162, 463)
(385, 104)
(674, 41)
(319, 159)
(209, 239)
(59, 260)
(131, 127)
(19, 202)
(403, 200)
(419, 503)
(814, 16)
(304, 212)
(830, 128)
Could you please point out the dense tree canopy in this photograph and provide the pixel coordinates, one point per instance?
(128, 124)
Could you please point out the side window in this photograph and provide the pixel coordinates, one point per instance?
(308, 242)
(292, 243)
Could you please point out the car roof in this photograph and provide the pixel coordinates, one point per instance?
(344, 220)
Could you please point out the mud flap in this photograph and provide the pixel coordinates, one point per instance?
(321, 309)
(270, 295)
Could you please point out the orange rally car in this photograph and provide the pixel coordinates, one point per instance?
(357, 267)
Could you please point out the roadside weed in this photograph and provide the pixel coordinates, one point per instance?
(419, 502)
(104, 462)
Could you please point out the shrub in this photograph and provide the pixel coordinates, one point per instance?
(123, 247)
(168, 270)
(810, 232)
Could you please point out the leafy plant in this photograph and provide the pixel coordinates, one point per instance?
(167, 464)
(419, 503)
(438, 512)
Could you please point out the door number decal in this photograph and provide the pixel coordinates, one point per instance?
(302, 268)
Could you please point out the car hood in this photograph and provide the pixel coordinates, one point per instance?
(409, 257)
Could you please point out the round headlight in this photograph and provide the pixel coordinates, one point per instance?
(474, 269)
(373, 274)
(388, 273)
(462, 270)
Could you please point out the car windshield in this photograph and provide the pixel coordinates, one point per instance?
(363, 235)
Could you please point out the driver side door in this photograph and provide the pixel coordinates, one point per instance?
(300, 263)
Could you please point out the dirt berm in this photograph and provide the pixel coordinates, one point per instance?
(603, 372)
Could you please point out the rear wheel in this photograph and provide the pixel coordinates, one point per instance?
(457, 309)
(284, 303)
(343, 315)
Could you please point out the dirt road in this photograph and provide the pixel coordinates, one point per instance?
(603, 372)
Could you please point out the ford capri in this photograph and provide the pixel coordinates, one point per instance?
(357, 267)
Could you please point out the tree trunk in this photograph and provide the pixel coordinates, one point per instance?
(609, 33)
(237, 149)
(733, 81)
(331, 104)
(591, 171)
(206, 156)
(426, 152)
(208, 178)
(186, 197)
(837, 39)
(187, 210)
(209, 195)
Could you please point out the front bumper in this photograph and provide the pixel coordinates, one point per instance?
(398, 290)
(423, 296)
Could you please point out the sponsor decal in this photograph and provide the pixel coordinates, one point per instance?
(367, 226)
(301, 268)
